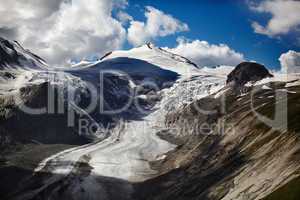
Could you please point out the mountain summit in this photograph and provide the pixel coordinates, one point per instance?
(158, 56)
(246, 72)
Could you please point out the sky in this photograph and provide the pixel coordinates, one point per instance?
(219, 32)
(224, 21)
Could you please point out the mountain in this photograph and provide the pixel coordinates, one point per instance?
(14, 56)
(123, 79)
(242, 157)
(246, 72)
(159, 57)
(181, 132)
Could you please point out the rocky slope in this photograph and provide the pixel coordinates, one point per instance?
(14, 56)
(231, 153)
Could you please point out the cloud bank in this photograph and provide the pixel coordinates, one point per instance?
(285, 17)
(205, 54)
(63, 30)
(158, 24)
(290, 62)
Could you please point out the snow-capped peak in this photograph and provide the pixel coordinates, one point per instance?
(159, 57)
(82, 63)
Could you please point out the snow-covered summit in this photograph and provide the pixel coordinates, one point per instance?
(159, 57)
(82, 63)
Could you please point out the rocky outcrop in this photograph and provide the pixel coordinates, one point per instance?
(247, 72)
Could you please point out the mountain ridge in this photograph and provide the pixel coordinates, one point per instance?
(14, 56)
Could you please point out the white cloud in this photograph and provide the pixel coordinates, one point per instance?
(205, 54)
(285, 17)
(62, 30)
(290, 62)
(124, 17)
(158, 24)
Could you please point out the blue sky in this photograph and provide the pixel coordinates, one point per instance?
(217, 22)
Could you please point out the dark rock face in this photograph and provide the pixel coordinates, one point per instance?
(5, 57)
(247, 71)
(14, 55)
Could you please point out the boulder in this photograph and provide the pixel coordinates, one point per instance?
(247, 72)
